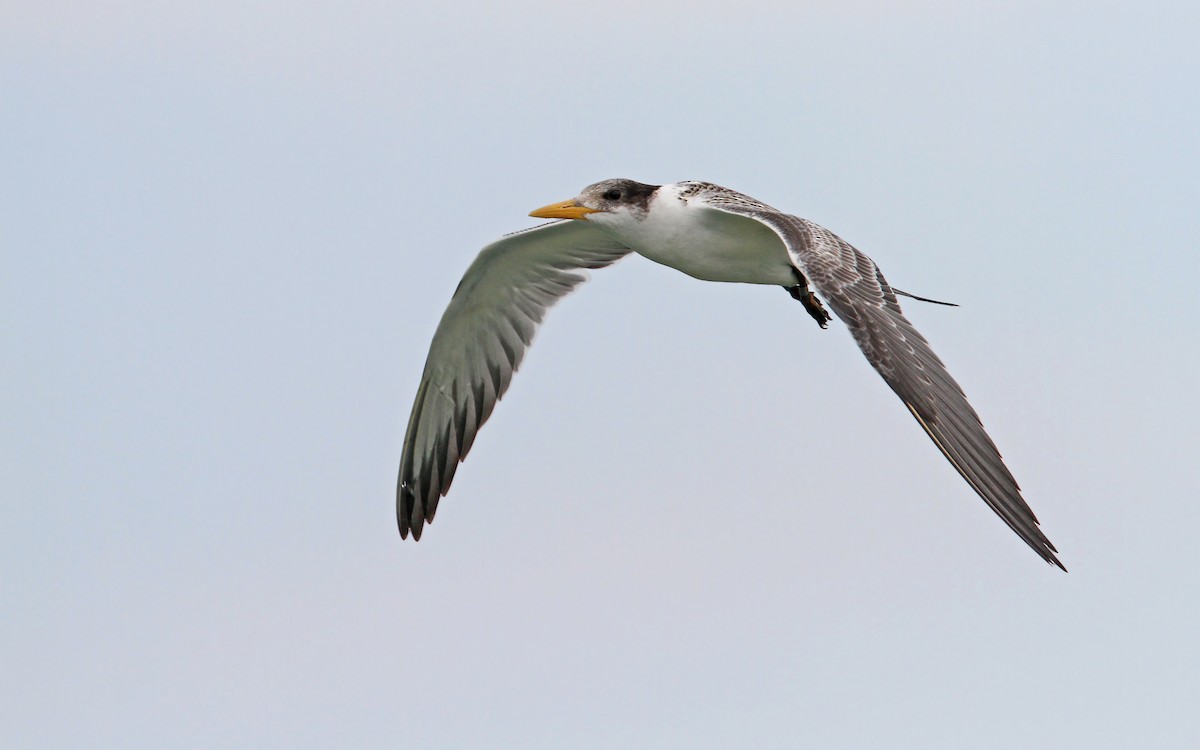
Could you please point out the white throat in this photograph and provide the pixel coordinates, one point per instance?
(703, 242)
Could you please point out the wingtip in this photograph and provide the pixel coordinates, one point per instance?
(409, 518)
(410, 528)
(1051, 553)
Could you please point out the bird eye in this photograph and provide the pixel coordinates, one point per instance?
(612, 195)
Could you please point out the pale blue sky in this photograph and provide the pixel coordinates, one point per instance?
(697, 520)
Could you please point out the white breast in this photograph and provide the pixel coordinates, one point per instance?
(706, 243)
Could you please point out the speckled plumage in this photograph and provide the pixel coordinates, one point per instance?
(716, 196)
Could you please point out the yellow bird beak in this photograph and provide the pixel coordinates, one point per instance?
(565, 210)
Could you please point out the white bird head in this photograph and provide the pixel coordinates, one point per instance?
(612, 202)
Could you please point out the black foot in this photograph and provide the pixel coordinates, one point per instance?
(805, 296)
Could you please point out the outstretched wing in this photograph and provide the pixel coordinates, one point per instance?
(479, 344)
(859, 295)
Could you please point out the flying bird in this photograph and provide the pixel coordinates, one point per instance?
(710, 233)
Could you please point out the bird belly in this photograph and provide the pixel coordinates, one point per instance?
(715, 246)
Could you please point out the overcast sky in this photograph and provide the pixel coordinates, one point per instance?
(697, 520)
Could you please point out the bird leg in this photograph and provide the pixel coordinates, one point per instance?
(805, 296)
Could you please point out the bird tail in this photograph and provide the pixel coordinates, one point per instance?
(923, 299)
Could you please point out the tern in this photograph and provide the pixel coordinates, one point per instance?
(707, 232)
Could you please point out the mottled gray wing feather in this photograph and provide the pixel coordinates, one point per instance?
(479, 344)
(860, 296)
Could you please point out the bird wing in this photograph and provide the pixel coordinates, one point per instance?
(860, 296)
(480, 343)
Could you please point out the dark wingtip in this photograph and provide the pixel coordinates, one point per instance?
(407, 518)
(408, 526)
